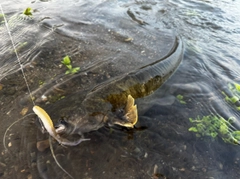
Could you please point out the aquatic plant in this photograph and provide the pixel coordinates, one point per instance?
(1, 16)
(28, 11)
(213, 126)
(1, 19)
(233, 95)
(21, 46)
(67, 62)
(180, 99)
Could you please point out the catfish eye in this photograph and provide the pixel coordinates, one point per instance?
(61, 126)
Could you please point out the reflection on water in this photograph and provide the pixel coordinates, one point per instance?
(164, 148)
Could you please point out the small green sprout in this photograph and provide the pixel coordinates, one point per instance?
(180, 99)
(41, 83)
(213, 126)
(28, 11)
(67, 62)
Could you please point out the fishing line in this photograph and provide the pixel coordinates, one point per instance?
(31, 96)
(5, 134)
(16, 53)
(55, 158)
(21, 66)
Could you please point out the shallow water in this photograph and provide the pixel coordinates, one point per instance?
(165, 149)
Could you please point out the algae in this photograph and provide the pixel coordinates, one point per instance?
(181, 99)
(215, 126)
(233, 95)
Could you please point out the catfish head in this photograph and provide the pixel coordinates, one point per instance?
(78, 124)
(81, 124)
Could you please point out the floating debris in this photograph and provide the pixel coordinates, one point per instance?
(10, 144)
(24, 111)
(129, 39)
(42, 145)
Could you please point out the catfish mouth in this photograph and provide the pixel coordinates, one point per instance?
(65, 128)
(60, 128)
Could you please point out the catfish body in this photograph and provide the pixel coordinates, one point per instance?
(107, 103)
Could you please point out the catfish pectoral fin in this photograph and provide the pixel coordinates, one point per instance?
(131, 115)
(124, 124)
(130, 103)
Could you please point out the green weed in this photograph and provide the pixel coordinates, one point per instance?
(233, 96)
(67, 62)
(213, 126)
(180, 99)
(28, 11)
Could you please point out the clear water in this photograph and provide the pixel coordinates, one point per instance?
(165, 149)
